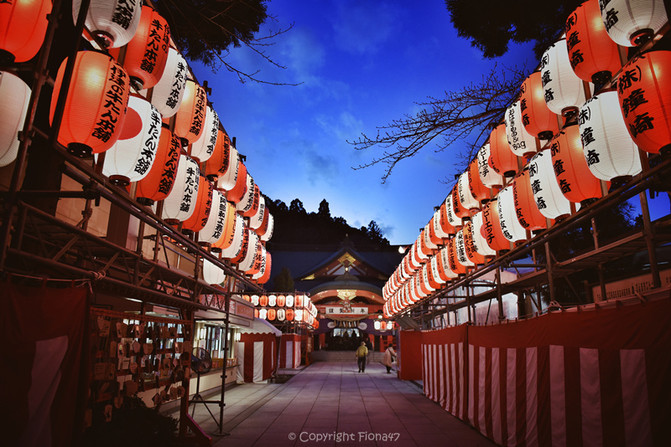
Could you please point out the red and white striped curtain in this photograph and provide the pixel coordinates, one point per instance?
(594, 377)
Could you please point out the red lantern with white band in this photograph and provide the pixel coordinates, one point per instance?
(113, 21)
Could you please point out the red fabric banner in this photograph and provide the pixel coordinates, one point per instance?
(42, 332)
(597, 377)
(268, 359)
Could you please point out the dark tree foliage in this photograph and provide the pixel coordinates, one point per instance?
(203, 28)
(284, 282)
(296, 227)
(491, 24)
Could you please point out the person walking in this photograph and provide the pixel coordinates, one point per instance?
(389, 357)
(361, 355)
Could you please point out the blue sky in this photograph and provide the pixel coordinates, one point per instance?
(360, 64)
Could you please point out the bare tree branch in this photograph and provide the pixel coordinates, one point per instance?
(465, 114)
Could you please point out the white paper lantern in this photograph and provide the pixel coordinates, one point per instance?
(281, 314)
(290, 301)
(563, 89)
(212, 274)
(253, 250)
(549, 198)
(521, 142)
(181, 202)
(254, 300)
(632, 22)
(256, 220)
(203, 147)
(609, 150)
(452, 218)
(436, 270)
(247, 201)
(14, 101)
(481, 245)
(167, 94)
(132, 156)
(465, 196)
(425, 278)
(445, 261)
(460, 243)
(298, 315)
(114, 21)
(427, 237)
(263, 314)
(214, 227)
(265, 237)
(227, 180)
(510, 226)
(488, 176)
(238, 236)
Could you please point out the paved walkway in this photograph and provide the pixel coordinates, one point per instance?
(331, 404)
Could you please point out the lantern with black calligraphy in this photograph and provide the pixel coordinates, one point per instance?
(281, 300)
(469, 245)
(228, 174)
(645, 100)
(547, 193)
(190, 117)
(479, 241)
(227, 233)
(264, 223)
(593, 54)
(459, 209)
(298, 300)
(607, 145)
(501, 158)
(441, 226)
(147, 52)
(181, 202)
(281, 314)
(576, 181)
(23, 24)
(218, 164)
(435, 274)
(632, 22)
(521, 142)
(114, 22)
(478, 189)
(235, 194)
(460, 246)
(250, 200)
(526, 208)
(272, 300)
(254, 249)
(537, 118)
(433, 236)
(290, 301)
(14, 100)
(95, 107)
(488, 176)
(132, 156)
(263, 300)
(256, 219)
(272, 313)
(427, 278)
(212, 274)
(168, 92)
(203, 148)
(430, 239)
(491, 227)
(563, 90)
(443, 264)
(264, 275)
(465, 196)
(214, 227)
(452, 217)
(203, 206)
(453, 256)
(235, 248)
(510, 225)
(290, 315)
(158, 182)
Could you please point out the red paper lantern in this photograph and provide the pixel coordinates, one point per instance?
(147, 52)
(264, 275)
(453, 257)
(537, 118)
(161, 177)
(96, 103)
(593, 54)
(459, 209)
(190, 117)
(501, 157)
(23, 24)
(575, 179)
(217, 164)
(235, 194)
(203, 206)
(263, 300)
(290, 314)
(527, 211)
(479, 191)
(469, 244)
(272, 313)
(236, 258)
(491, 227)
(281, 300)
(645, 99)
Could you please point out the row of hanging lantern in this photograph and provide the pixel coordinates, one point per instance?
(292, 315)
(534, 170)
(280, 307)
(382, 326)
(137, 104)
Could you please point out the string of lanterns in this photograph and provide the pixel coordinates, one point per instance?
(535, 170)
(136, 103)
(281, 308)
